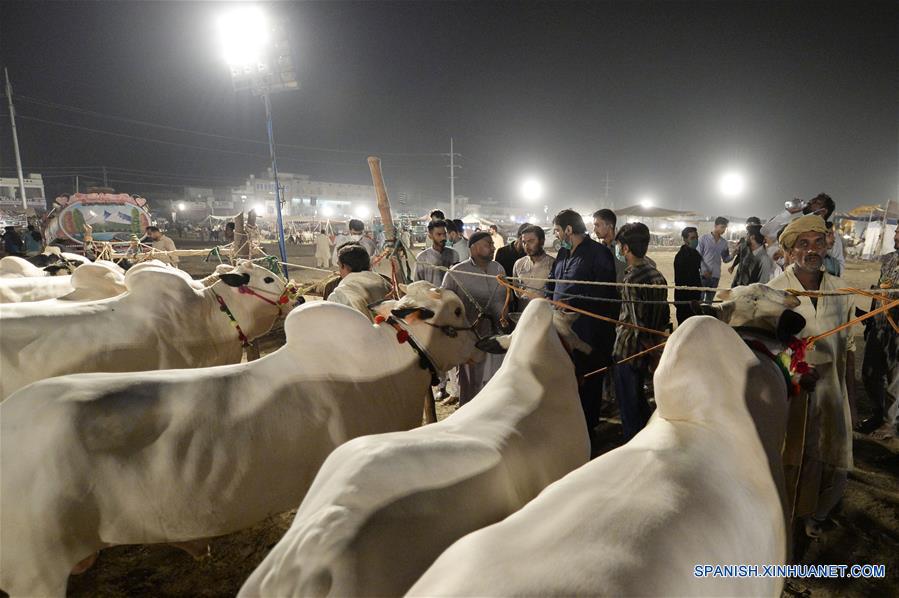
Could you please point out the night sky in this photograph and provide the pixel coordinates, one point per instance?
(662, 96)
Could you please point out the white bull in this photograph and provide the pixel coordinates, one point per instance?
(383, 507)
(12, 266)
(172, 456)
(88, 282)
(162, 322)
(692, 488)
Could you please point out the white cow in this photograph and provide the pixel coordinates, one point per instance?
(162, 322)
(692, 488)
(170, 456)
(13, 266)
(383, 507)
(88, 282)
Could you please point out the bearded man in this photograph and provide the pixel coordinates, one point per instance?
(828, 433)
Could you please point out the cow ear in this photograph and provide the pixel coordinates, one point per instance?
(789, 324)
(413, 313)
(235, 280)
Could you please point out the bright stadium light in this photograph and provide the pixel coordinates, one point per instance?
(732, 184)
(243, 36)
(260, 208)
(362, 211)
(327, 211)
(181, 206)
(531, 189)
(647, 202)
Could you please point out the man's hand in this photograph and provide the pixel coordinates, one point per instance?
(808, 380)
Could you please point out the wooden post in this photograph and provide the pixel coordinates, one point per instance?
(240, 247)
(390, 232)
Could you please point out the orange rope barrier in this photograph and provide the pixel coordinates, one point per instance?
(810, 341)
(625, 360)
(583, 312)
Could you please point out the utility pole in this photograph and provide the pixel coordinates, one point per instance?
(452, 166)
(105, 180)
(77, 187)
(15, 139)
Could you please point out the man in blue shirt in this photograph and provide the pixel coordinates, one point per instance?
(582, 258)
(713, 248)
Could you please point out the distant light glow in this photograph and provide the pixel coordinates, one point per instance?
(260, 208)
(327, 211)
(243, 36)
(531, 189)
(362, 211)
(732, 184)
(647, 202)
(680, 224)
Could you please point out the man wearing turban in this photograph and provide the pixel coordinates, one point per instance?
(828, 432)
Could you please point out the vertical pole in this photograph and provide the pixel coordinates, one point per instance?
(15, 139)
(452, 181)
(105, 179)
(282, 248)
(77, 187)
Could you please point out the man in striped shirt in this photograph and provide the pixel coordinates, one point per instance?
(643, 307)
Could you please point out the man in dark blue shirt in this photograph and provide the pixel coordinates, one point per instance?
(583, 259)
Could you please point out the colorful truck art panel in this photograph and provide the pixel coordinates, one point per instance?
(113, 217)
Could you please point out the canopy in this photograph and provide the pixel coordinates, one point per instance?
(654, 212)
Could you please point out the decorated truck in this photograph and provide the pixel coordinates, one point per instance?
(112, 217)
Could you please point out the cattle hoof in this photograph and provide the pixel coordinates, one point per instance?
(85, 564)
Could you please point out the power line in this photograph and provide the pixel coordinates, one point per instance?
(209, 149)
(144, 123)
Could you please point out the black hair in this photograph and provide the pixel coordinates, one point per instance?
(356, 225)
(450, 226)
(686, 232)
(536, 230)
(522, 227)
(437, 215)
(460, 226)
(152, 229)
(494, 227)
(828, 225)
(567, 218)
(354, 257)
(721, 220)
(829, 204)
(636, 236)
(758, 237)
(753, 220)
(607, 216)
(437, 224)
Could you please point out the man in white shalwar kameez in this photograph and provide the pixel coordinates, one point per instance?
(322, 250)
(828, 432)
(480, 295)
(359, 287)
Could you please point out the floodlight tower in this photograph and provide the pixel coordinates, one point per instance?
(259, 57)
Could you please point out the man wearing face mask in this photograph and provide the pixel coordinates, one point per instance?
(582, 258)
(828, 431)
(686, 273)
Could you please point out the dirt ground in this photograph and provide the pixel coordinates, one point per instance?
(865, 528)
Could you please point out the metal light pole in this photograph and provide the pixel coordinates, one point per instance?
(260, 61)
(15, 140)
(282, 247)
